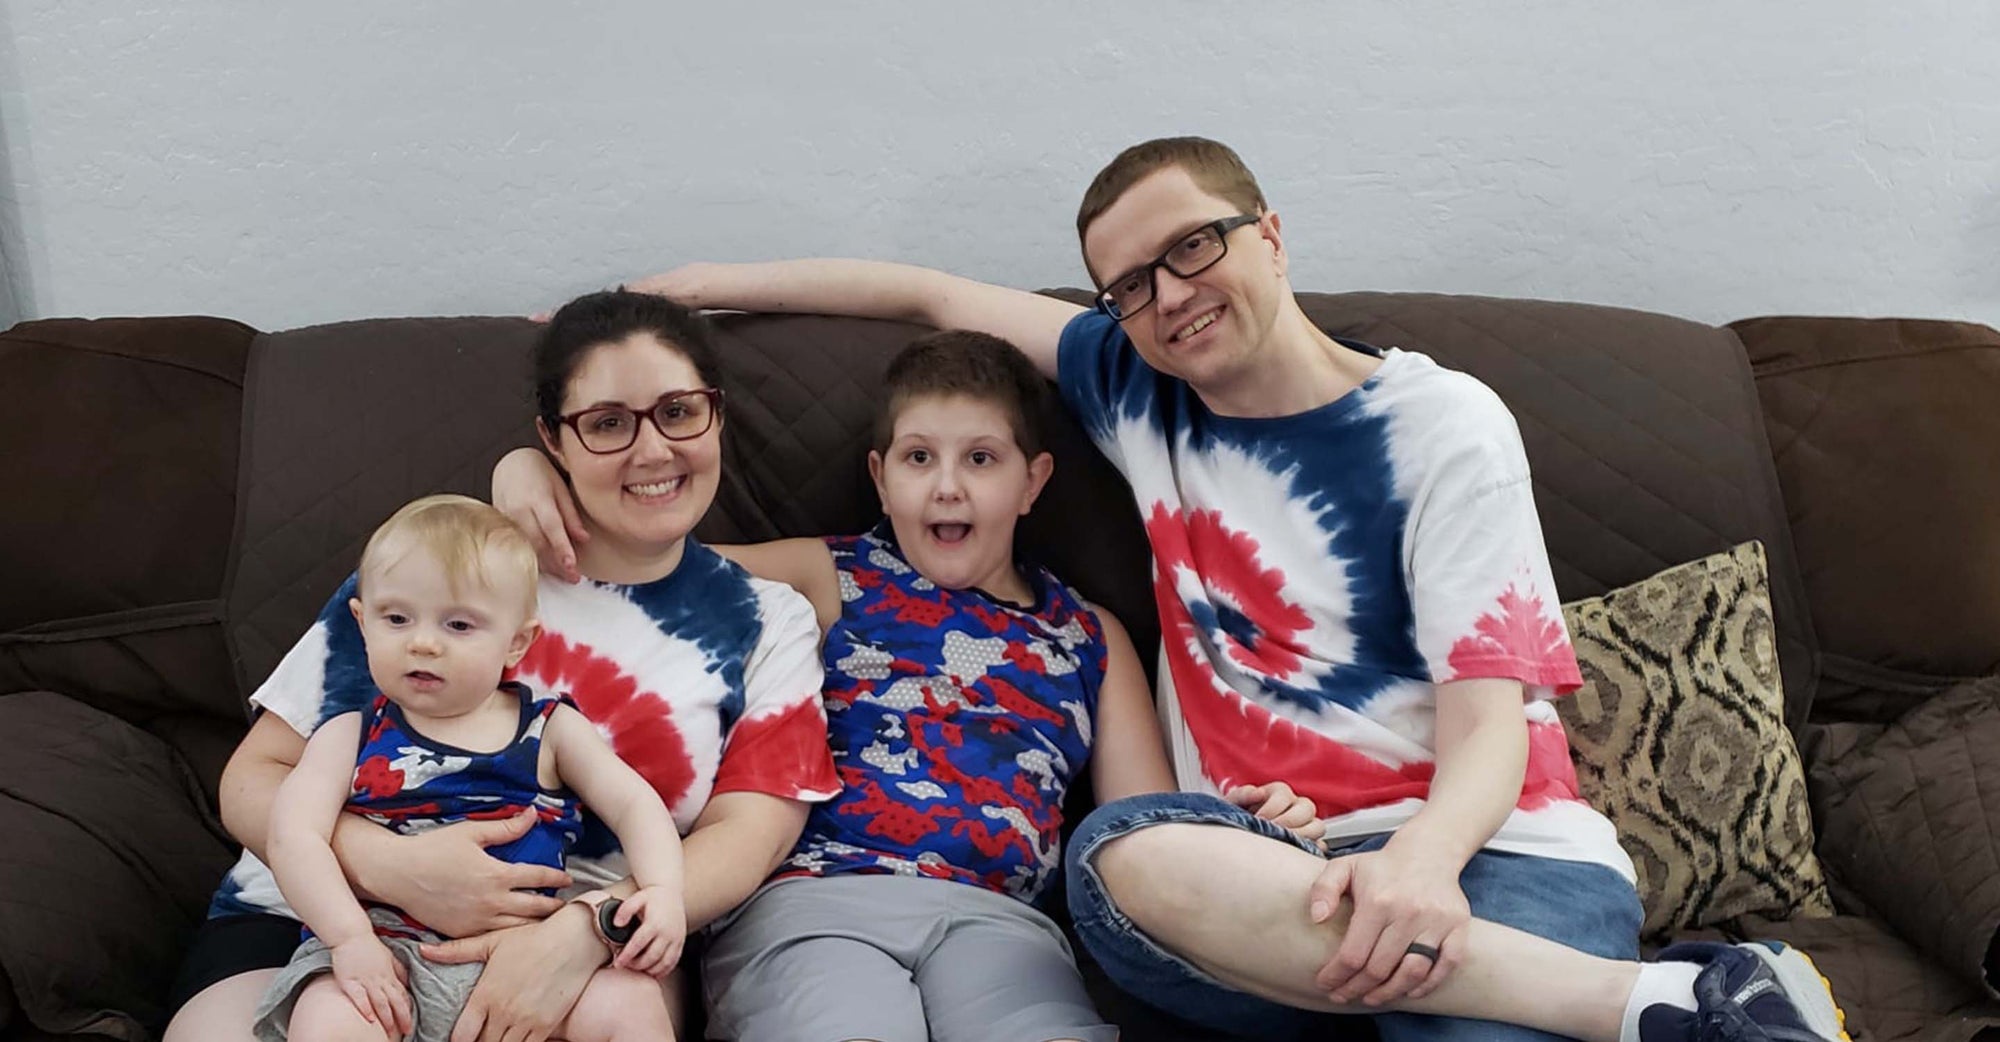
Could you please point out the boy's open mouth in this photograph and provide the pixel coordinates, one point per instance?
(424, 680)
(950, 533)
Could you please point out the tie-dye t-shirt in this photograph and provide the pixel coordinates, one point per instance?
(705, 681)
(1318, 574)
(957, 723)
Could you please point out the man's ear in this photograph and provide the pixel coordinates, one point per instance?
(1268, 227)
(524, 638)
(1040, 469)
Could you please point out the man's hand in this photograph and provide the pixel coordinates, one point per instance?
(533, 977)
(1278, 804)
(447, 880)
(1400, 899)
(527, 488)
(372, 979)
(656, 948)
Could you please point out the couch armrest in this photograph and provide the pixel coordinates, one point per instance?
(107, 862)
(1911, 821)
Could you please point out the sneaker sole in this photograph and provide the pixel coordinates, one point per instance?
(1811, 993)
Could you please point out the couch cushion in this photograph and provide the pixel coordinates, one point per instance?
(109, 859)
(1868, 419)
(126, 431)
(1909, 817)
(1679, 739)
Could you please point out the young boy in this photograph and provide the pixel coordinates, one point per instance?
(446, 603)
(965, 690)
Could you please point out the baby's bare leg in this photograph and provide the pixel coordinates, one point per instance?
(625, 1006)
(325, 1014)
(222, 1011)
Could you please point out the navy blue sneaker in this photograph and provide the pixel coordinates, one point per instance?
(1759, 991)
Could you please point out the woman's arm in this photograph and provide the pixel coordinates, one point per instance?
(740, 838)
(250, 781)
(805, 565)
(1131, 756)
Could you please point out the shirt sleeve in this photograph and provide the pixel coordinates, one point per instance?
(1483, 595)
(778, 746)
(325, 674)
(1093, 373)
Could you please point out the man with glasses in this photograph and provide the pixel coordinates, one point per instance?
(1356, 605)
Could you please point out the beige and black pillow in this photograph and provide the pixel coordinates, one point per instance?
(1679, 738)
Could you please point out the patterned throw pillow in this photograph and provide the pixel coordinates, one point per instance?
(1679, 738)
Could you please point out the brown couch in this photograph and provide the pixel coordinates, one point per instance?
(182, 493)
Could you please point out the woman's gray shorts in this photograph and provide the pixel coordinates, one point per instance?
(893, 958)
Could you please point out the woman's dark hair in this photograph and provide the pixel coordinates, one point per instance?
(607, 317)
(969, 364)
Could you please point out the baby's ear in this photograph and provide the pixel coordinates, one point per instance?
(354, 605)
(524, 638)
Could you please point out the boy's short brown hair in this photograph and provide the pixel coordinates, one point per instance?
(964, 363)
(466, 536)
(1215, 167)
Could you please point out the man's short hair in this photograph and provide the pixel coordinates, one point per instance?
(1215, 167)
(968, 364)
(471, 540)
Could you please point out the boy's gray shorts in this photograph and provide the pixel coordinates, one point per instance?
(437, 991)
(895, 959)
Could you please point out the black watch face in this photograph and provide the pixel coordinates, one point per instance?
(607, 916)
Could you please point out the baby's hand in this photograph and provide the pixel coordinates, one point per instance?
(656, 947)
(372, 979)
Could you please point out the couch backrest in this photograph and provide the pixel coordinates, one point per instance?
(118, 455)
(1643, 431)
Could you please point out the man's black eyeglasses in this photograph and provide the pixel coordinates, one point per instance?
(1128, 294)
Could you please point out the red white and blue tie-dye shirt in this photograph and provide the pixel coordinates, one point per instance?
(1318, 574)
(706, 681)
(957, 722)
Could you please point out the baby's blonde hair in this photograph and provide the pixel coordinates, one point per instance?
(465, 535)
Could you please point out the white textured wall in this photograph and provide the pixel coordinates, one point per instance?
(292, 162)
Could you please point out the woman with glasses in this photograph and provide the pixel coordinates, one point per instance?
(704, 679)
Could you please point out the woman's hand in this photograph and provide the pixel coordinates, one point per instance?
(656, 948)
(527, 488)
(1278, 804)
(372, 979)
(532, 978)
(446, 879)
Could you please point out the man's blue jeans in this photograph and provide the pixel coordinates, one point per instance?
(1585, 906)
